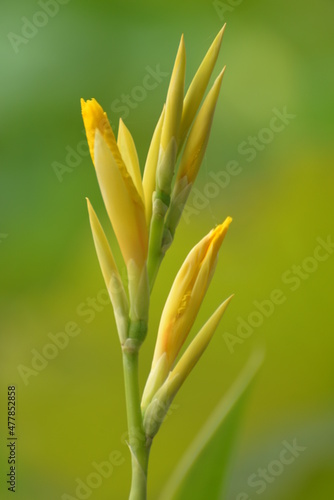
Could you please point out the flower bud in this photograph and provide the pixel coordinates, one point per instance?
(198, 86)
(110, 274)
(155, 411)
(187, 294)
(123, 202)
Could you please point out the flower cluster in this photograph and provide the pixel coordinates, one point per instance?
(144, 213)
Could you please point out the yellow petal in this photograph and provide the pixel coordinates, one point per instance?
(187, 294)
(199, 136)
(198, 86)
(157, 408)
(95, 118)
(196, 349)
(128, 152)
(123, 204)
(110, 274)
(164, 396)
(151, 167)
(174, 102)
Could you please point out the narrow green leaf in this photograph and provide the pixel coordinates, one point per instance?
(202, 471)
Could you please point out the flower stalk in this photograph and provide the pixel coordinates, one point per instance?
(138, 444)
(144, 213)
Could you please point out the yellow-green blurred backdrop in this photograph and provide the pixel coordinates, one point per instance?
(70, 412)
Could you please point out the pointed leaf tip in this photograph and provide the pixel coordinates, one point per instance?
(174, 101)
(198, 86)
(198, 138)
(128, 151)
(196, 349)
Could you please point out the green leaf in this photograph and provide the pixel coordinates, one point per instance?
(202, 472)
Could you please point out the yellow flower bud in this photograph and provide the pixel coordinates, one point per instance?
(110, 274)
(123, 202)
(199, 135)
(192, 157)
(198, 86)
(171, 123)
(195, 350)
(156, 407)
(174, 102)
(128, 152)
(187, 293)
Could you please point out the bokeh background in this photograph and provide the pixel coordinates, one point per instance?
(71, 411)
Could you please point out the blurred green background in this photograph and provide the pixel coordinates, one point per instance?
(71, 413)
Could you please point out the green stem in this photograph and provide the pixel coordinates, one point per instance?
(154, 251)
(155, 254)
(139, 447)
